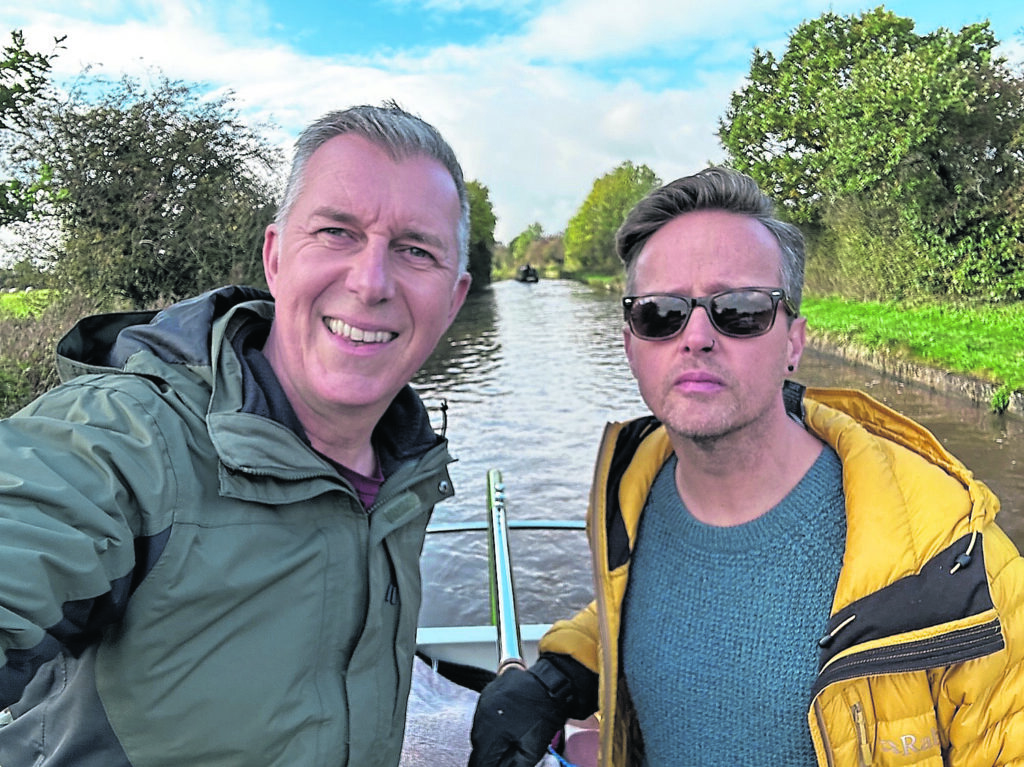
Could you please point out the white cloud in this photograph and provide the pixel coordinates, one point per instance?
(585, 30)
(536, 136)
(526, 113)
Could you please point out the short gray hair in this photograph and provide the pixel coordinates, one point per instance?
(394, 130)
(714, 188)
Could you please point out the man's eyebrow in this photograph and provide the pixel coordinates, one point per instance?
(334, 214)
(425, 238)
(339, 216)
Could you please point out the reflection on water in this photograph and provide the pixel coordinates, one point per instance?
(532, 372)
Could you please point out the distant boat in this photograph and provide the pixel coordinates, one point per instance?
(527, 273)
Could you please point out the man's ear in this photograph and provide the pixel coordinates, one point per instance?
(459, 293)
(627, 344)
(271, 254)
(797, 339)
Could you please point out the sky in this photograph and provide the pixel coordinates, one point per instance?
(539, 98)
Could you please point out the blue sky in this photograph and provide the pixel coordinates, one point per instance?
(538, 97)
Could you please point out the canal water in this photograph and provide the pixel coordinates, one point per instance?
(531, 373)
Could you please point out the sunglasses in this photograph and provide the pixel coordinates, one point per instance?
(738, 313)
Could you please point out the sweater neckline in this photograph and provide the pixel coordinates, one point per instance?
(787, 518)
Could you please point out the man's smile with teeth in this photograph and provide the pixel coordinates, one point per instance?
(342, 328)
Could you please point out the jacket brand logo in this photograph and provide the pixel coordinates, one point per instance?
(912, 744)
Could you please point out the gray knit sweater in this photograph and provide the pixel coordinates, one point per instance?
(720, 624)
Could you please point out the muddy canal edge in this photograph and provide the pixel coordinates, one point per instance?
(977, 391)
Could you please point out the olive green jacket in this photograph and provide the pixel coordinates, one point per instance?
(185, 580)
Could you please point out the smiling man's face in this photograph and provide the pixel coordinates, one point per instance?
(365, 277)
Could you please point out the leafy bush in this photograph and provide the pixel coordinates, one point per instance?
(28, 365)
(26, 303)
(158, 192)
(986, 263)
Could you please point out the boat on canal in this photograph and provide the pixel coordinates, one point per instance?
(527, 273)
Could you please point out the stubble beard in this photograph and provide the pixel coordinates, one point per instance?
(717, 428)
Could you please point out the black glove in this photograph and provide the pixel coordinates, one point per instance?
(520, 712)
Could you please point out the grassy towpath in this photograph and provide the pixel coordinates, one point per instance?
(980, 342)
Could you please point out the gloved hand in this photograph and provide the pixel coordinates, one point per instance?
(520, 712)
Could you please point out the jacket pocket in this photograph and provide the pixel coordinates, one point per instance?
(907, 731)
(896, 722)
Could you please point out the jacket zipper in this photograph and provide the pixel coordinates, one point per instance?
(967, 644)
(823, 732)
(860, 722)
(600, 564)
(607, 704)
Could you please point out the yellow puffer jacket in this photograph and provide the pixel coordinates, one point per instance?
(924, 660)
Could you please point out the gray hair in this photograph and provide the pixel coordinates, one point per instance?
(399, 133)
(715, 188)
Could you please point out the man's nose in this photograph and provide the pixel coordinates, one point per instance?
(699, 334)
(369, 274)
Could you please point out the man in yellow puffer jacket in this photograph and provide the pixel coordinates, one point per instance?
(780, 578)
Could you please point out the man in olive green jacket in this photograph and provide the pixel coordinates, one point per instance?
(210, 532)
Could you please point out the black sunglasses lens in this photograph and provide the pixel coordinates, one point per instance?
(737, 313)
(743, 312)
(657, 316)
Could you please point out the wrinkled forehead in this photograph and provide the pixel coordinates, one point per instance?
(703, 252)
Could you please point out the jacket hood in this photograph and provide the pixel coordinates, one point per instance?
(177, 335)
(834, 411)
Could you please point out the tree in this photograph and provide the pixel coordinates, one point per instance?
(521, 243)
(855, 98)
(590, 235)
(904, 141)
(481, 234)
(162, 192)
(23, 81)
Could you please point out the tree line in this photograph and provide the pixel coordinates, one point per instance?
(137, 194)
(900, 155)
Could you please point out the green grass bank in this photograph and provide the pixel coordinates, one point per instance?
(976, 350)
(25, 303)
